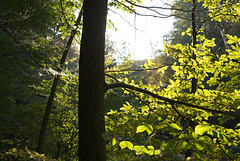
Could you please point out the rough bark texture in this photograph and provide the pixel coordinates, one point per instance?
(91, 82)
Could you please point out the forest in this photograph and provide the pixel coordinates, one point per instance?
(64, 95)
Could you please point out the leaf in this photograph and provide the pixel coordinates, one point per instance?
(142, 128)
(149, 61)
(156, 152)
(199, 129)
(112, 141)
(112, 112)
(209, 147)
(194, 135)
(150, 150)
(126, 144)
(206, 92)
(200, 144)
(184, 145)
(230, 41)
(140, 149)
(225, 138)
(175, 126)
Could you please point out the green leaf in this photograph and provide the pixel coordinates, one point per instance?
(184, 145)
(149, 61)
(150, 150)
(140, 149)
(200, 144)
(194, 135)
(206, 92)
(225, 138)
(175, 126)
(126, 144)
(156, 152)
(208, 147)
(200, 129)
(112, 141)
(230, 41)
(142, 128)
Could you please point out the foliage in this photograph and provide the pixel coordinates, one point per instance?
(156, 129)
(138, 126)
(31, 43)
(159, 129)
(24, 154)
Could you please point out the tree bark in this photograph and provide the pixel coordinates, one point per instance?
(91, 82)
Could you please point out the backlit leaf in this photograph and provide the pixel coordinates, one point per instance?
(199, 129)
(175, 126)
(126, 144)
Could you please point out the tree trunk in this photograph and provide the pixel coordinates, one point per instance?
(194, 41)
(188, 155)
(91, 82)
(54, 87)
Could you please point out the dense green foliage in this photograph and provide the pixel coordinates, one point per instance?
(154, 118)
(31, 45)
(156, 129)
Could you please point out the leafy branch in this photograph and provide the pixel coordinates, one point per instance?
(137, 70)
(170, 101)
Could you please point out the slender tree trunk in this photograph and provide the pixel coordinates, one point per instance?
(188, 155)
(194, 41)
(91, 82)
(54, 87)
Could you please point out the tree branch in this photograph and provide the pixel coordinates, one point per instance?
(139, 14)
(14, 37)
(159, 15)
(171, 101)
(136, 70)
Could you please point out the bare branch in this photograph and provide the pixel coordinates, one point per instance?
(139, 14)
(125, 20)
(159, 15)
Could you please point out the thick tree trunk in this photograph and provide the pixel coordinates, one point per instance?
(91, 82)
